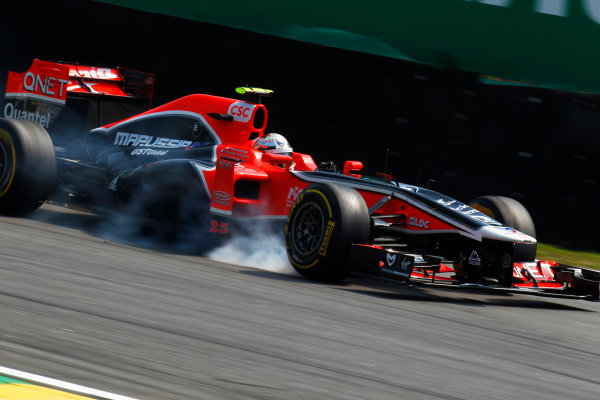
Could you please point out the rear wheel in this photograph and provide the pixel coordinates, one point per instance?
(324, 221)
(27, 166)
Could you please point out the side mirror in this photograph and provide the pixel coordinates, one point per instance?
(352, 166)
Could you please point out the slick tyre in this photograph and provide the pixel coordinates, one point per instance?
(27, 166)
(507, 211)
(323, 223)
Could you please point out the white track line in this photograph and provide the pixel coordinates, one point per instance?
(61, 384)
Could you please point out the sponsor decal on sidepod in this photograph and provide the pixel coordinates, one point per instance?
(419, 223)
(134, 139)
(221, 197)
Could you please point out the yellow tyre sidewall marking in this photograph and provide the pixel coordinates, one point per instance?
(312, 264)
(5, 137)
(326, 238)
(330, 225)
(324, 199)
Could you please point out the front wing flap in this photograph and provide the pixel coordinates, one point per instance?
(542, 278)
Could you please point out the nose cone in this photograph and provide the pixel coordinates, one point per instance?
(506, 234)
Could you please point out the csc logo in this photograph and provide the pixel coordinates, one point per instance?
(241, 111)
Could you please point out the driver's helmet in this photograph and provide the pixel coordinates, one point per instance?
(274, 143)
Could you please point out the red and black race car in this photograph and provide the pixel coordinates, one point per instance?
(207, 162)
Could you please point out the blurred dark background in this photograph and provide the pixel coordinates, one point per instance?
(536, 145)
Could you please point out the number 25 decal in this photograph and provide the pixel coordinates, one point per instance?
(219, 227)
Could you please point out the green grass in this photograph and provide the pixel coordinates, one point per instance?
(576, 258)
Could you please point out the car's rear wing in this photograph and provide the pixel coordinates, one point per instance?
(40, 93)
(120, 82)
(71, 97)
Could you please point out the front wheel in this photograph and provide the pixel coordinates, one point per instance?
(27, 166)
(512, 214)
(324, 221)
(507, 211)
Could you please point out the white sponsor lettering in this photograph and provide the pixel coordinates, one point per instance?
(241, 111)
(294, 192)
(484, 219)
(34, 83)
(292, 195)
(391, 259)
(405, 264)
(162, 142)
(471, 211)
(474, 259)
(148, 152)
(10, 111)
(134, 139)
(234, 154)
(446, 203)
(466, 210)
(419, 223)
(403, 268)
(93, 72)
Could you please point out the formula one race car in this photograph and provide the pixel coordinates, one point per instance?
(206, 161)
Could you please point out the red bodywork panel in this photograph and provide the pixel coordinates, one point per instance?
(93, 80)
(44, 80)
(278, 188)
(411, 217)
(53, 80)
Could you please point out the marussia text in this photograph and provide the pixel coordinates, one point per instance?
(134, 139)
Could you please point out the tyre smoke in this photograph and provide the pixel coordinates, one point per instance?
(263, 249)
(260, 246)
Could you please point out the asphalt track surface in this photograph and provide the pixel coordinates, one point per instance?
(121, 316)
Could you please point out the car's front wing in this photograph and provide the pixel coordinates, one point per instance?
(542, 278)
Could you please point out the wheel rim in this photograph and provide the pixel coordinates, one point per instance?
(308, 229)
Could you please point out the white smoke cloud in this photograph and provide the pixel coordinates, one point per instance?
(264, 251)
(260, 246)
